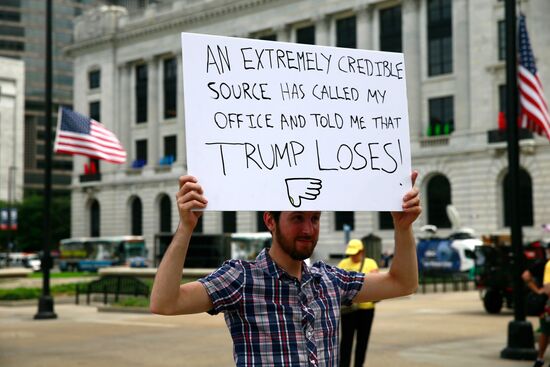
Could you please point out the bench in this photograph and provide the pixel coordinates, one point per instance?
(114, 285)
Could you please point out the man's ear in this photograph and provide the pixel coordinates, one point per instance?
(269, 221)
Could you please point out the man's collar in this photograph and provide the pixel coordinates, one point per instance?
(271, 268)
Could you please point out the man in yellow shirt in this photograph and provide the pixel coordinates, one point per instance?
(360, 320)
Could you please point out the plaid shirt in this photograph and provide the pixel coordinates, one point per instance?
(276, 320)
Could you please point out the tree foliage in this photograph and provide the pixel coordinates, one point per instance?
(30, 227)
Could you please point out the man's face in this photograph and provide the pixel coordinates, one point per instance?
(297, 233)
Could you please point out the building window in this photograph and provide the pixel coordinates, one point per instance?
(441, 116)
(501, 40)
(137, 217)
(141, 154)
(439, 196)
(170, 87)
(502, 98)
(141, 93)
(94, 219)
(385, 220)
(440, 37)
(94, 79)
(92, 167)
(260, 225)
(269, 37)
(165, 207)
(229, 222)
(390, 29)
(95, 111)
(525, 199)
(306, 35)
(170, 149)
(344, 218)
(346, 34)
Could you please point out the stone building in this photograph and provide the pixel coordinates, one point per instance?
(127, 68)
(12, 92)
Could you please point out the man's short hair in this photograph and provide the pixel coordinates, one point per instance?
(276, 216)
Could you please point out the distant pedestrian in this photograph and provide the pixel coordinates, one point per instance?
(537, 278)
(356, 323)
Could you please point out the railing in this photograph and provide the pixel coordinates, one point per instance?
(90, 177)
(429, 283)
(434, 141)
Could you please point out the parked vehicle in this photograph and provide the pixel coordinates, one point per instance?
(92, 253)
(493, 275)
(28, 260)
(211, 250)
(447, 255)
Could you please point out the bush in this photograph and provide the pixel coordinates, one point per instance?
(35, 293)
(16, 294)
(133, 302)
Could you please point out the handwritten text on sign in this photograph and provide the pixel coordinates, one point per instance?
(281, 126)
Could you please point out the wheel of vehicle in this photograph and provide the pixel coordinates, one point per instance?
(492, 301)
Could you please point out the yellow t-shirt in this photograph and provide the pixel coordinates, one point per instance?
(368, 266)
(546, 278)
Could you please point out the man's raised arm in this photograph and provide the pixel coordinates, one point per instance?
(402, 278)
(168, 296)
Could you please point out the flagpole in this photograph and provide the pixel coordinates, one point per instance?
(521, 344)
(46, 302)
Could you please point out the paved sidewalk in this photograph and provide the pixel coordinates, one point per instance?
(429, 330)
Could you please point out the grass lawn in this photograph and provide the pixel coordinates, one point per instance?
(66, 274)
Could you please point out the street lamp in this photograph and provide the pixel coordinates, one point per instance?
(45, 303)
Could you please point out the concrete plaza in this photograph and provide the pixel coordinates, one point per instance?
(429, 330)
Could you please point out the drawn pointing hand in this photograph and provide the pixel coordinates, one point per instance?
(306, 188)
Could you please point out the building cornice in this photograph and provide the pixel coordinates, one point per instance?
(162, 19)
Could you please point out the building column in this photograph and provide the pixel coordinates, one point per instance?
(153, 113)
(283, 32)
(363, 14)
(322, 29)
(126, 113)
(413, 64)
(180, 117)
(461, 39)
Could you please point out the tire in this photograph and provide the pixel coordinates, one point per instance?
(492, 301)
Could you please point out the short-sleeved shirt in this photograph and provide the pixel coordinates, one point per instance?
(538, 272)
(368, 266)
(546, 278)
(275, 319)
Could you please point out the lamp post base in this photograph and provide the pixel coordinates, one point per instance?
(521, 343)
(45, 309)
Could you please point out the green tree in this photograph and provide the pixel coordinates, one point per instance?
(30, 227)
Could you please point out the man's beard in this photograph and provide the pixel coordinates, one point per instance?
(291, 248)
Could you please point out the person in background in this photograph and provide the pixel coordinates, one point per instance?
(359, 321)
(537, 279)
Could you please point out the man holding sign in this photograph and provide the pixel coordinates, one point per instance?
(279, 311)
(280, 126)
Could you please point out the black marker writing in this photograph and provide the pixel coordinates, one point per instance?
(270, 58)
(376, 95)
(270, 158)
(292, 91)
(243, 90)
(352, 65)
(335, 121)
(386, 122)
(221, 62)
(322, 92)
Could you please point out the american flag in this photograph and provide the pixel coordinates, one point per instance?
(534, 113)
(78, 134)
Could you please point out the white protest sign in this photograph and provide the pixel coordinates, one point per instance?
(283, 126)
